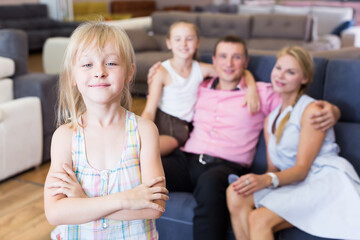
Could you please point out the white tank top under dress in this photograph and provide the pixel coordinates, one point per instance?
(327, 202)
(125, 176)
(178, 98)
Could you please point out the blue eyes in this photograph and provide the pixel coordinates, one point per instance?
(88, 65)
(288, 71)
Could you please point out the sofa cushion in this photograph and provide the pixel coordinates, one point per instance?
(161, 42)
(296, 27)
(251, 9)
(144, 60)
(274, 44)
(220, 24)
(41, 23)
(22, 24)
(141, 41)
(340, 83)
(36, 10)
(161, 21)
(207, 45)
(280, 9)
(347, 137)
(8, 12)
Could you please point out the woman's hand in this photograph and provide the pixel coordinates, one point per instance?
(250, 183)
(326, 117)
(144, 195)
(252, 100)
(66, 183)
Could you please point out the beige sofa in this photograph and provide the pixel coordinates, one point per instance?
(20, 126)
(260, 31)
(334, 21)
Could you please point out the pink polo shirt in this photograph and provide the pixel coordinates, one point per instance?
(225, 129)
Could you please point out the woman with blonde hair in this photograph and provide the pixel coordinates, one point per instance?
(307, 184)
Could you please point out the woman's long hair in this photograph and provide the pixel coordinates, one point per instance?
(307, 66)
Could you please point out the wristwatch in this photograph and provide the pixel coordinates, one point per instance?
(274, 180)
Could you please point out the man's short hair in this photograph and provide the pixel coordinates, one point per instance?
(232, 39)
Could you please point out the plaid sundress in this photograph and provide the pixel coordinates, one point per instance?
(126, 175)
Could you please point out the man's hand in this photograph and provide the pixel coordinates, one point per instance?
(252, 101)
(326, 117)
(152, 71)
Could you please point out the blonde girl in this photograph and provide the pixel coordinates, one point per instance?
(106, 179)
(307, 184)
(173, 88)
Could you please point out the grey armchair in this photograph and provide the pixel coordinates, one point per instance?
(14, 45)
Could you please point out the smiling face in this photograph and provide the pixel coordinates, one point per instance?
(287, 75)
(99, 75)
(183, 40)
(230, 61)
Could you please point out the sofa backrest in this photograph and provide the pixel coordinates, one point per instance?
(220, 24)
(342, 87)
(329, 18)
(297, 27)
(161, 22)
(23, 11)
(17, 49)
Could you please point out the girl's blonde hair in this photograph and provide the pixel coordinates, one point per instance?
(307, 66)
(191, 25)
(70, 103)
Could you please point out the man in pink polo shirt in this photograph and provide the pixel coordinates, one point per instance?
(223, 140)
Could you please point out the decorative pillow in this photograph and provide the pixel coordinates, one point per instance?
(342, 26)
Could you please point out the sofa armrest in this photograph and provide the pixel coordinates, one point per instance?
(6, 90)
(351, 37)
(324, 43)
(20, 136)
(43, 86)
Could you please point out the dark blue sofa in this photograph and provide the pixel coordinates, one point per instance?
(336, 81)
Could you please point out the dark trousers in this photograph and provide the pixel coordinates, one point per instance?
(208, 183)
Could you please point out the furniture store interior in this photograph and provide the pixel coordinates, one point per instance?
(41, 43)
